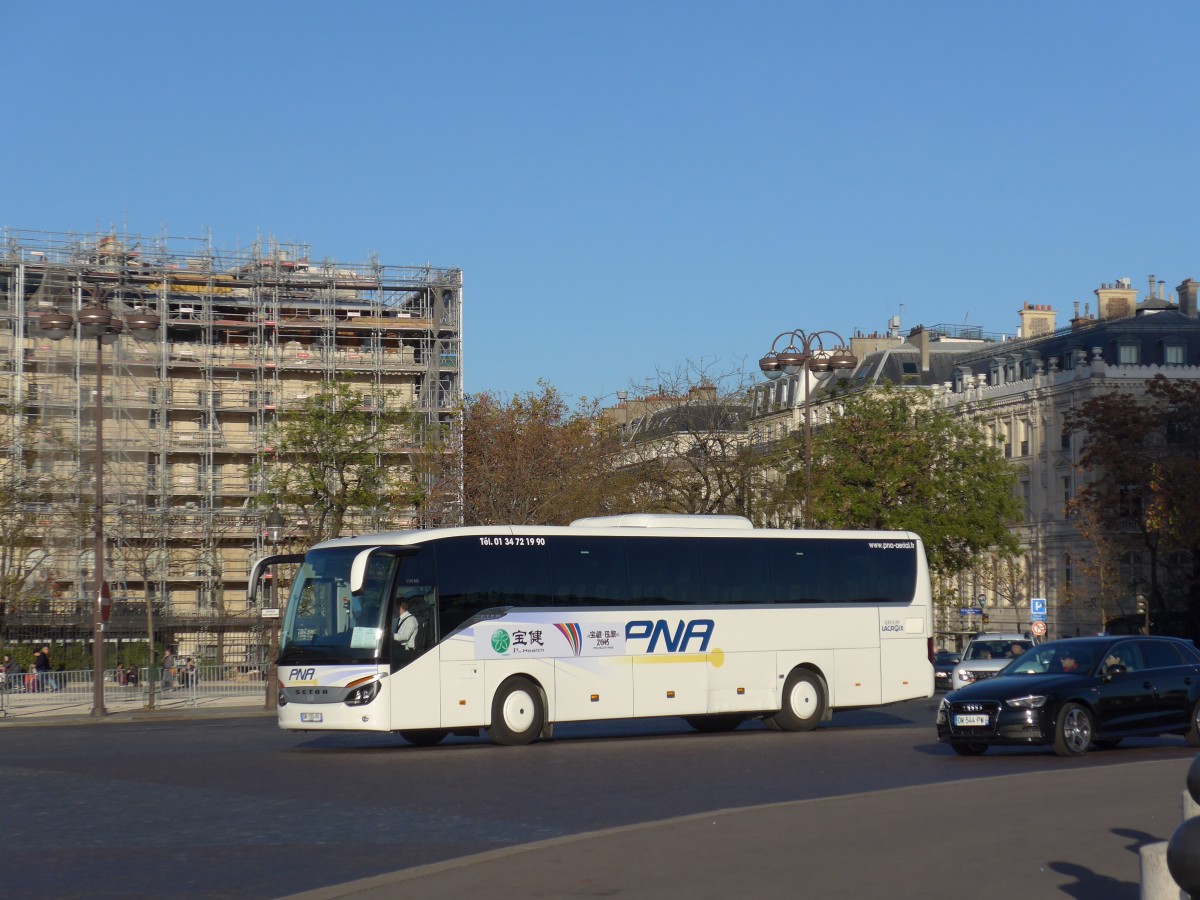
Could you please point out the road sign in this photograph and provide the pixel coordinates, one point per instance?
(1038, 628)
(970, 611)
(270, 612)
(1037, 608)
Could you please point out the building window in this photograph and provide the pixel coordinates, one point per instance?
(155, 419)
(1067, 496)
(1065, 440)
(1129, 502)
(1174, 354)
(1131, 572)
(1128, 352)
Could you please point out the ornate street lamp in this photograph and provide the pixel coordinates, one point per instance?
(97, 321)
(806, 352)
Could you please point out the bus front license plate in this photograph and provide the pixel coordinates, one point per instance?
(960, 721)
(312, 717)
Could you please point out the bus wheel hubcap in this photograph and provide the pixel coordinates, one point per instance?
(518, 711)
(804, 700)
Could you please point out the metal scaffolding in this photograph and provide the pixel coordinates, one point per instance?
(243, 334)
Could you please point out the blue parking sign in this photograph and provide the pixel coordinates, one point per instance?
(1037, 608)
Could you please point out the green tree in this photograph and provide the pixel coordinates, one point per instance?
(889, 460)
(1141, 460)
(340, 455)
(533, 460)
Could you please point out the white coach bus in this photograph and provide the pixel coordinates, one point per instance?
(517, 628)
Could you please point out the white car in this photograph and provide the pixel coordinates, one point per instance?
(986, 655)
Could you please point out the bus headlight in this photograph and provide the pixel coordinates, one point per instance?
(361, 696)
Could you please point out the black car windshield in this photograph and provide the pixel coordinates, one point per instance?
(1060, 658)
(997, 649)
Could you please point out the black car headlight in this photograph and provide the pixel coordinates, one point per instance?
(361, 696)
(1030, 701)
(943, 714)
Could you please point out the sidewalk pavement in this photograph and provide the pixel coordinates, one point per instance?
(72, 709)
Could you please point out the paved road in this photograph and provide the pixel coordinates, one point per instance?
(219, 806)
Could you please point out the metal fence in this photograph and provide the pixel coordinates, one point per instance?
(66, 692)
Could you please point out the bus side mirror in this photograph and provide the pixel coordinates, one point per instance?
(358, 570)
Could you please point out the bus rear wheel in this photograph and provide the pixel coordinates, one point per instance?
(803, 703)
(517, 713)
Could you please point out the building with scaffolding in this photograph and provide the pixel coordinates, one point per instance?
(241, 336)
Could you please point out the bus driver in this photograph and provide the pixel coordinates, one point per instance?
(405, 632)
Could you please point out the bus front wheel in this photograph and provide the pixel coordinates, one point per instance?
(803, 703)
(517, 713)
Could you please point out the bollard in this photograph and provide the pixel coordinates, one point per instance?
(1183, 851)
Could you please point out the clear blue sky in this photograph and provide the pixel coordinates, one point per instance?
(631, 185)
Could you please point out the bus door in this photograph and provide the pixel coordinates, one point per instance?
(412, 623)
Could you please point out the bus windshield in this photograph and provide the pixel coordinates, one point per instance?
(324, 621)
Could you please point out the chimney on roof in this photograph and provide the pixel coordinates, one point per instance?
(1188, 296)
(921, 339)
(1036, 320)
(1115, 301)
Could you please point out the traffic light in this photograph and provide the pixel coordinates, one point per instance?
(1141, 605)
(985, 619)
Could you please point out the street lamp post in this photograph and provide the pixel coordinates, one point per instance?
(273, 526)
(97, 320)
(805, 352)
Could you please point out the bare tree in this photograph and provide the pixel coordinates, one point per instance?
(532, 459)
(688, 448)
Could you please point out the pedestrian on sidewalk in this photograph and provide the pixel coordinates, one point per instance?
(41, 664)
(188, 676)
(168, 676)
(9, 668)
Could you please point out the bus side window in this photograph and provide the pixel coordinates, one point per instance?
(664, 570)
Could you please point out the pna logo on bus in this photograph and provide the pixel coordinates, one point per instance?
(679, 641)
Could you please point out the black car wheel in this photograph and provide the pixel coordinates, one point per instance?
(1073, 731)
(969, 749)
(1193, 732)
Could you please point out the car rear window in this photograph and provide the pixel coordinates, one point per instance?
(1160, 654)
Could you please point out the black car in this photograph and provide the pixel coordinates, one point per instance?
(943, 669)
(1077, 692)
